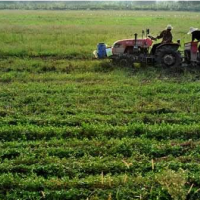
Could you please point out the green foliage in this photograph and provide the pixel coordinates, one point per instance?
(174, 183)
(75, 34)
(76, 128)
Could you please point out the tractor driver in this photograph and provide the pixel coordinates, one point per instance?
(195, 35)
(166, 36)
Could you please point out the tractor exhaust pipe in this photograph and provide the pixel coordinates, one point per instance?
(135, 44)
(135, 47)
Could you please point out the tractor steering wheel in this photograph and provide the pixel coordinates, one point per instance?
(152, 38)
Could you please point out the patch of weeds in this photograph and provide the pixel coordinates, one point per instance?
(105, 66)
(174, 182)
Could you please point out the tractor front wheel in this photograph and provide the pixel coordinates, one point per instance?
(123, 61)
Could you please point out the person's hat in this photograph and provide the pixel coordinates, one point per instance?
(169, 27)
(192, 29)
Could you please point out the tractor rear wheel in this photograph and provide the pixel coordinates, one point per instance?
(167, 57)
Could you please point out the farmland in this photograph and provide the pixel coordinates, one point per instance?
(72, 127)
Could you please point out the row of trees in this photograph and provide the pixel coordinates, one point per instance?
(109, 5)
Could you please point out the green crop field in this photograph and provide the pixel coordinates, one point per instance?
(76, 128)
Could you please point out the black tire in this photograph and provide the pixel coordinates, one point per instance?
(123, 61)
(198, 58)
(187, 56)
(166, 57)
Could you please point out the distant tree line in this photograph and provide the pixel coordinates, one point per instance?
(103, 5)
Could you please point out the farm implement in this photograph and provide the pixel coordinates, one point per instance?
(129, 51)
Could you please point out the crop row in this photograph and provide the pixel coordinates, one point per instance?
(123, 147)
(157, 131)
(81, 167)
(120, 186)
(52, 64)
(91, 183)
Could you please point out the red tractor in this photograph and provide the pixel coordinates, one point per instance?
(129, 51)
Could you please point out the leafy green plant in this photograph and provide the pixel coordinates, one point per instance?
(174, 183)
